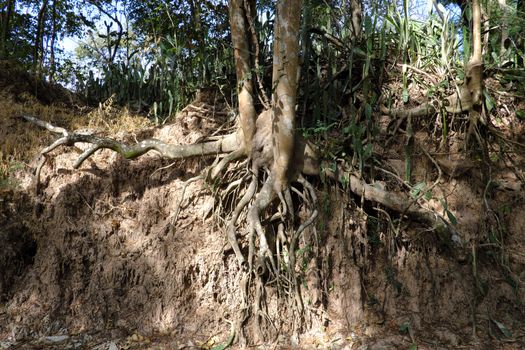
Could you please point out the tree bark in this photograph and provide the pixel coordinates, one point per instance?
(52, 63)
(356, 8)
(504, 26)
(475, 65)
(241, 51)
(39, 39)
(471, 90)
(520, 9)
(284, 83)
(7, 13)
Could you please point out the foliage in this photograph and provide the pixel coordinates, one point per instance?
(153, 55)
(7, 168)
(168, 52)
(61, 19)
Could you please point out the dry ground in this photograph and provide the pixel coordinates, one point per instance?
(97, 261)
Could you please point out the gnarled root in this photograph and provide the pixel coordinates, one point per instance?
(231, 228)
(263, 266)
(224, 144)
(262, 200)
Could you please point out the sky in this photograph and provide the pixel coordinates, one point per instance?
(419, 10)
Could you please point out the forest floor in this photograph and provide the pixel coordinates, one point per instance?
(115, 256)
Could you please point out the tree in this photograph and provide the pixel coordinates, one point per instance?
(470, 91)
(278, 158)
(38, 56)
(54, 34)
(5, 26)
(29, 32)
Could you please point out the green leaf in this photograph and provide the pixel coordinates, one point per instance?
(417, 189)
(506, 332)
(492, 238)
(404, 327)
(367, 151)
(413, 346)
(405, 95)
(451, 217)
(408, 169)
(359, 52)
(226, 345)
(488, 100)
(368, 111)
(520, 114)
(345, 179)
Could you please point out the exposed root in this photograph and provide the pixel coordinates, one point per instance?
(392, 201)
(242, 313)
(177, 208)
(230, 230)
(270, 260)
(295, 237)
(225, 144)
(262, 200)
(217, 169)
(429, 189)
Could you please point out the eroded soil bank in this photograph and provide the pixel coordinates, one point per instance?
(96, 260)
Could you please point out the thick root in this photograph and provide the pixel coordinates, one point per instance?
(232, 239)
(224, 144)
(262, 200)
(262, 264)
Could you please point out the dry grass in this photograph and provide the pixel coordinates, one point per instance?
(21, 142)
(115, 120)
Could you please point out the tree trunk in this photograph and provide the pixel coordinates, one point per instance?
(241, 50)
(200, 38)
(52, 63)
(7, 13)
(356, 8)
(504, 26)
(485, 20)
(520, 8)
(284, 82)
(39, 47)
(475, 65)
(112, 45)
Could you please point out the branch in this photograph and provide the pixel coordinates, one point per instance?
(332, 39)
(405, 66)
(460, 101)
(439, 10)
(228, 144)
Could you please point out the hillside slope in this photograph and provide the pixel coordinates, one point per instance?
(113, 255)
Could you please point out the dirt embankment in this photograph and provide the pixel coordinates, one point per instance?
(97, 259)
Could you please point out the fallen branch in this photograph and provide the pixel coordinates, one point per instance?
(405, 66)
